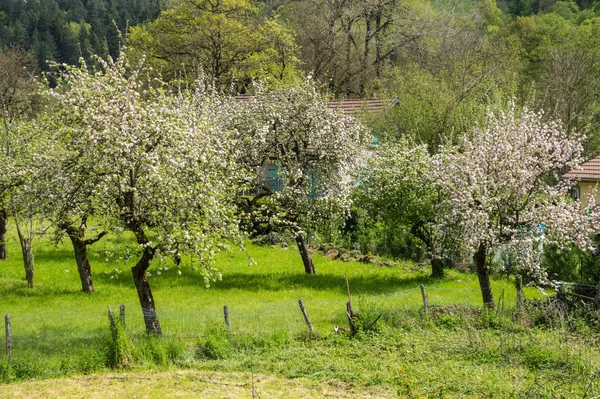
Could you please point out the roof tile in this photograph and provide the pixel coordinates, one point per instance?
(589, 171)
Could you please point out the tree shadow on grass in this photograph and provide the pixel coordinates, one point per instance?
(256, 282)
(364, 284)
(56, 256)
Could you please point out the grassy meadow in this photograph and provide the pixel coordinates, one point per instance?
(60, 332)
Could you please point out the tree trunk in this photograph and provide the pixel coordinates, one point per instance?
(420, 230)
(83, 263)
(484, 277)
(27, 257)
(143, 286)
(3, 230)
(437, 267)
(378, 45)
(309, 266)
(145, 293)
(77, 236)
(366, 54)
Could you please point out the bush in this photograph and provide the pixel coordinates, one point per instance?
(573, 265)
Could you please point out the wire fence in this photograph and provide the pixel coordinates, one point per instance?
(57, 331)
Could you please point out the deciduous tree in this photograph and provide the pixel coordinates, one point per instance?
(397, 188)
(314, 148)
(18, 90)
(227, 39)
(503, 189)
(162, 165)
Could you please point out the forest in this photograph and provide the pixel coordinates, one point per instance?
(446, 61)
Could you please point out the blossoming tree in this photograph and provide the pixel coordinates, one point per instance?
(161, 165)
(18, 102)
(396, 187)
(503, 190)
(23, 188)
(314, 148)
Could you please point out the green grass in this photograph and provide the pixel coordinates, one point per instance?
(58, 330)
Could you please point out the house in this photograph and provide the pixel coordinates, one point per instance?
(269, 174)
(587, 176)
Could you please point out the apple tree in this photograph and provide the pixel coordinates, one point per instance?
(313, 149)
(161, 164)
(503, 191)
(397, 188)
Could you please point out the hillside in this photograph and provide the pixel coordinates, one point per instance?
(64, 30)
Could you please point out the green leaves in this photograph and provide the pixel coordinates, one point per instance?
(228, 40)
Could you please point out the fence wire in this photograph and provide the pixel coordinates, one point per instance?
(57, 331)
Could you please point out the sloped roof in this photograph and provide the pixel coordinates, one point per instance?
(348, 106)
(589, 171)
(351, 107)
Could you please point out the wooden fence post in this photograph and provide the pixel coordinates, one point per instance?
(122, 312)
(349, 305)
(111, 318)
(306, 319)
(425, 302)
(350, 319)
(8, 336)
(226, 314)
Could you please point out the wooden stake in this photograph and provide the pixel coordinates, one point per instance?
(8, 336)
(425, 302)
(349, 306)
(306, 319)
(597, 299)
(226, 314)
(122, 312)
(350, 319)
(111, 318)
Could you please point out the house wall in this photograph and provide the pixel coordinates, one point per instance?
(587, 188)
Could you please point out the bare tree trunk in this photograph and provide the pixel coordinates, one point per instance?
(484, 277)
(27, 256)
(378, 44)
(348, 57)
(309, 266)
(3, 230)
(366, 53)
(331, 36)
(83, 263)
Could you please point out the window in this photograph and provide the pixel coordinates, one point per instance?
(576, 193)
(275, 180)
